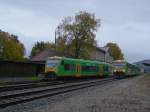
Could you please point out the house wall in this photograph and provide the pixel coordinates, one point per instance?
(108, 58)
(97, 55)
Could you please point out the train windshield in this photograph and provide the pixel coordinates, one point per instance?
(119, 65)
(52, 63)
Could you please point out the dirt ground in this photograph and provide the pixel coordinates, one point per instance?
(132, 95)
(127, 95)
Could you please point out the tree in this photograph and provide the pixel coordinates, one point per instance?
(10, 47)
(40, 46)
(116, 52)
(76, 35)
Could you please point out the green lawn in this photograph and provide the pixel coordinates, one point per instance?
(33, 78)
(2, 83)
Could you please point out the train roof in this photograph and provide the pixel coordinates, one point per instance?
(80, 60)
(133, 65)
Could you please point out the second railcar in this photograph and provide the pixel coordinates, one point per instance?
(123, 69)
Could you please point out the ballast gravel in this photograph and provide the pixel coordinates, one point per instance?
(127, 95)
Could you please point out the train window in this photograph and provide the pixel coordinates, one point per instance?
(93, 68)
(69, 67)
(106, 68)
(89, 68)
(85, 68)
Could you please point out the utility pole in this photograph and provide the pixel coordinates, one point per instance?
(55, 39)
(56, 30)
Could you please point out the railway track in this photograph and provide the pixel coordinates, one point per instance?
(36, 93)
(28, 85)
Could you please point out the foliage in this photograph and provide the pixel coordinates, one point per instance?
(40, 46)
(10, 47)
(34, 78)
(116, 52)
(2, 83)
(76, 35)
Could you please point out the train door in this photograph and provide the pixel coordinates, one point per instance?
(101, 71)
(78, 68)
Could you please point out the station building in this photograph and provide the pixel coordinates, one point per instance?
(101, 53)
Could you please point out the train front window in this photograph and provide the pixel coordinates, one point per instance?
(52, 63)
(119, 65)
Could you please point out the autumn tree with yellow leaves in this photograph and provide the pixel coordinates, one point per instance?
(10, 47)
(77, 35)
(115, 50)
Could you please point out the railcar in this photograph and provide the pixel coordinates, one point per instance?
(124, 69)
(56, 67)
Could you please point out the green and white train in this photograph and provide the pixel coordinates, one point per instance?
(124, 69)
(56, 67)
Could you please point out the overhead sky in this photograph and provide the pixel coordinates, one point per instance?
(125, 22)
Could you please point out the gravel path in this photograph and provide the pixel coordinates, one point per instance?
(128, 95)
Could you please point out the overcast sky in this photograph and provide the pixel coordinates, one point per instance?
(126, 22)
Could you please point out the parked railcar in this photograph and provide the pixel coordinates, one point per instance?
(123, 69)
(67, 67)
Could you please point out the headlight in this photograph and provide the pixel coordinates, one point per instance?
(123, 70)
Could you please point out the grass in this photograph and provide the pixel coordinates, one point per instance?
(33, 78)
(3, 83)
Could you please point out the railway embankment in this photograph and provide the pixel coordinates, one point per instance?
(127, 95)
